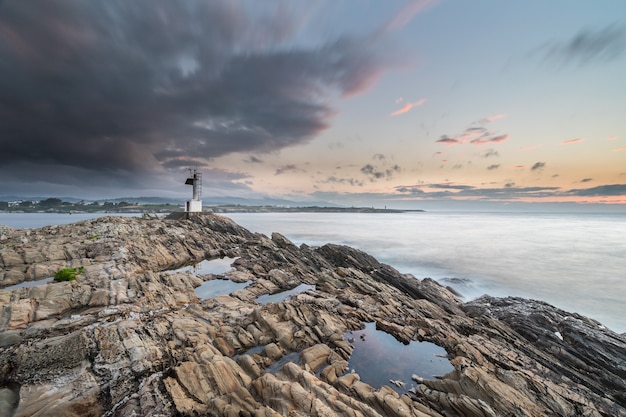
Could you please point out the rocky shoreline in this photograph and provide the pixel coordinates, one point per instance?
(131, 337)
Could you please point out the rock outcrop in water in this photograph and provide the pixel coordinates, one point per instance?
(130, 338)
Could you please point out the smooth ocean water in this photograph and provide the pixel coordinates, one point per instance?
(576, 262)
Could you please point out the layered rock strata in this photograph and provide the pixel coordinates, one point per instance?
(131, 338)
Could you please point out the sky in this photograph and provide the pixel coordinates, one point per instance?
(359, 102)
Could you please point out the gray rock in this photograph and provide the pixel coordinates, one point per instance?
(129, 338)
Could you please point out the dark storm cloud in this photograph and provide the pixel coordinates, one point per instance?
(493, 139)
(508, 192)
(433, 189)
(254, 160)
(338, 180)
(410, 190)
(286, 168)
(602, 190)
(590, 46)
(490, 152)
(476, 135)
(445, 186)
(374, 173)
(538, 165)
(448, 140)
(120, 86)
(182, 163)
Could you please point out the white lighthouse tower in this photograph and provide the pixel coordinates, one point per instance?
(195, 204)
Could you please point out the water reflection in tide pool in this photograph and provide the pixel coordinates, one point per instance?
(378, 358)
(208, 266)
(283, 295)
(254, 349)
(24, 284)
(216, 287)
(278, 365)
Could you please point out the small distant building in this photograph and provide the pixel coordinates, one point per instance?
(195, 204)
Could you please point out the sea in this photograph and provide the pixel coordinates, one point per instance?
(574, 261)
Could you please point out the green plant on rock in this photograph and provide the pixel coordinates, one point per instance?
(68, 274)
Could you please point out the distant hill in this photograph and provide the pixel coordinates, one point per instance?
(223, 201)
(38, 198)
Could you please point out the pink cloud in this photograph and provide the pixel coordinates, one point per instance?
(492, 118)
(619, 149)
(570, 141)
(408, 106)
(463, 138)
(399, 100)
(472, 132)
(495, 139)
(474, 135)
(408, 12)
(612, 137)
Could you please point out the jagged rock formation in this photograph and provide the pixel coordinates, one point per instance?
(129, 338)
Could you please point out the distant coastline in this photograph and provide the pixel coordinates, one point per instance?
(34, 218)
(64, 207)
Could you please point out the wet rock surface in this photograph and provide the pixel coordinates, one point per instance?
(129, 338)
